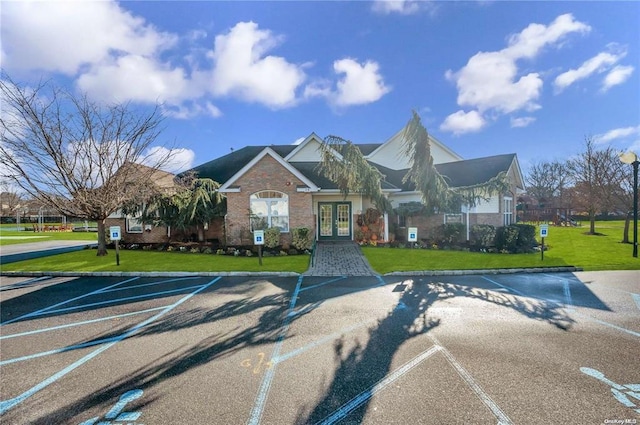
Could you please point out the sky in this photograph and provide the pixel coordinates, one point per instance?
(533, 78)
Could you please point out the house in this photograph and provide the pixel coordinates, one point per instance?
(281, 186)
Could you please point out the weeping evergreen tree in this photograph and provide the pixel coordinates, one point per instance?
(194, 203)
(352, 173)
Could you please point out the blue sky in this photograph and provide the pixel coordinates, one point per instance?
(487, 77)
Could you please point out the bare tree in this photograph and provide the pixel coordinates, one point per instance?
(548, 181)
(84, 159)
(596, 177)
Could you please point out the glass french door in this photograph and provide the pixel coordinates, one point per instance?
(334, 220)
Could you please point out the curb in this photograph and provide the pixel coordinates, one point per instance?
(568, 269)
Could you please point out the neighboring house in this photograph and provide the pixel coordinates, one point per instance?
(280, 185)
(133, 229)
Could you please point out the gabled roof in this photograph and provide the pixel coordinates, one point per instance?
(471, 172)
(267, 151)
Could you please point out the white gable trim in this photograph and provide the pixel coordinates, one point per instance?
(309, 139)
(398, 135)
(518, 172)
(226, 187)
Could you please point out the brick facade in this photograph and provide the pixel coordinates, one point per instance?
(266, 174)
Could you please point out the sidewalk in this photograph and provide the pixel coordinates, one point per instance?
(27, 251)
(339, 259)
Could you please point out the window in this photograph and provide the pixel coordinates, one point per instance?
(508, 211)
(134, 225)
(269, 209)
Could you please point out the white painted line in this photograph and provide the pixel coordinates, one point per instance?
(263, 392)
(602, 322)
(97, 291)
(475, 387)
(161, 282)
(85, 322)
(503, 286)
(5, 405)
(23, 284)
(322, 283)
(361, 398)
(567, 293)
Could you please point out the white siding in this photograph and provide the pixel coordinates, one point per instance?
(308, 153)
(492, 206)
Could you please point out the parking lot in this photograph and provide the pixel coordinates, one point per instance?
(514, 348)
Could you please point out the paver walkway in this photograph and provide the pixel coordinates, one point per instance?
(339, 259)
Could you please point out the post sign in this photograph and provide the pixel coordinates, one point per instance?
(258, 237)
(412, 234)
(114, 233)
(544, 230)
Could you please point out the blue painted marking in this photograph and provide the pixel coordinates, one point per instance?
(321, 341)
(117, 300)
(503, 286)
(361, 398)
(611, 325)
(261, 398)
(323, 283)
(161, 282)
(5, 405)
(38, 312)
(620, 392)
(636, 298)
(125, 398)
(23, 284)
(567, 293)
(85, 322)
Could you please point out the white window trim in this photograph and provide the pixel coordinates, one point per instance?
(269, 216)
(507, 213)
(128, 226)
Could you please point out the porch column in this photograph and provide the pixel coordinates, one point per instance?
(386, 227)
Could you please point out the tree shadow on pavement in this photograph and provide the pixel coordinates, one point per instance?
(361, 368)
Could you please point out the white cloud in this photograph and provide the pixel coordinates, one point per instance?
(360, 84)
(179, 159)
(463, 122)
(522, 121)
(617, 76)
(39, 35)
(490, 81)
(597, 64)
(403, 7)
(243, 70)
(616, 134)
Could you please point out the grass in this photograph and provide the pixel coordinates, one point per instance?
(153, 261)
(569, 246)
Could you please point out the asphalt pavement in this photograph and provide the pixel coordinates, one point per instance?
(512, 349)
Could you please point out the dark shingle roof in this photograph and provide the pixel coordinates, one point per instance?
(475, 171)
(458, 174)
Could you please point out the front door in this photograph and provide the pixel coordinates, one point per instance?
(334, 220)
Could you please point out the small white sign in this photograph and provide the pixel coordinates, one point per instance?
(258, 237)
(412, 235)
(114, 233)
(544, 230)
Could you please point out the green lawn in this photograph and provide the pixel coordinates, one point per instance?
(568, 246)
(154, 261)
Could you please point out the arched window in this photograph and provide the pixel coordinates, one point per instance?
(269, 208)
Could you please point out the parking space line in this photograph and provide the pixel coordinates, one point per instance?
(28, 282)
(571, 308)
(361, 398)
(84, 322)
(261, 398)
(5, 405)
(323, 283)
(160, 282)
(97, 291)
(116, 300)
(471, 383)
(322, 341)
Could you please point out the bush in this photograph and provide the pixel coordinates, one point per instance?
(453, 233)
(482, 235)
(516, 238)
(272, 237)
(301, 238)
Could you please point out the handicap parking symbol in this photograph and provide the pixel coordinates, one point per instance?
(628, 395)
(116, 412)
